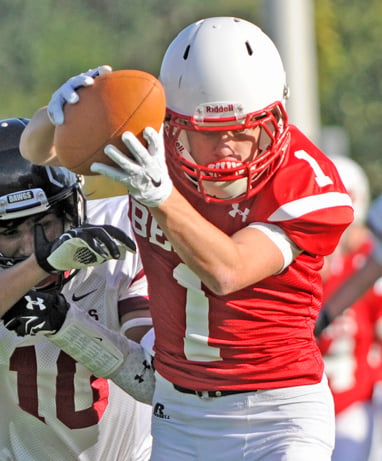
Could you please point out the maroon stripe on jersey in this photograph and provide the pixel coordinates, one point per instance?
(139, 276)
(128, 305)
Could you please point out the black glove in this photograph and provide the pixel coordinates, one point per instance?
(37, 312)
(87, 245)
(322, 322)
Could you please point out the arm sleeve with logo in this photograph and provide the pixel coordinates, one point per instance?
(106, 353)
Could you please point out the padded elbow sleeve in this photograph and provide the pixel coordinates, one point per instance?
(106, 353)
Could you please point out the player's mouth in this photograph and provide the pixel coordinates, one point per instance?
(230, 167)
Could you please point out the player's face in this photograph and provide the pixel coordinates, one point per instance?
(207, 147)
(18, 241)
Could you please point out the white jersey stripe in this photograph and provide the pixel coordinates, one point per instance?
(302, 206)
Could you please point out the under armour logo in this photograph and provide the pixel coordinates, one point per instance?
(141, 378)
(33, 304)
(235, 210)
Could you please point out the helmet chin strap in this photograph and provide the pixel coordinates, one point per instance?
(225, 189)
(183, 146)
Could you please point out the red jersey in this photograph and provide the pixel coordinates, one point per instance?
(350, 346)
(259, 337)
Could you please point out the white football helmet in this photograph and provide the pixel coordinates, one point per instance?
(356, 183)
(224, 73)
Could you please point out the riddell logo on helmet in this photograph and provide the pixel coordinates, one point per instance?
(219, 108)
(179, 146)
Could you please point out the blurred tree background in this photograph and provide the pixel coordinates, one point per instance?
(46, 41)
(349, 42)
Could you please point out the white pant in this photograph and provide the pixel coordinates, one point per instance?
(288, 424)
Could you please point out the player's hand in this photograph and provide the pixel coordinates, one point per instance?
(146, 175)
(37, 312)
(67, 92)
(87, 245)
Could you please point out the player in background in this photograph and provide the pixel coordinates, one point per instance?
(356, 285)
(236, 214)
(53, 408)
(349, 291)
(350, 345)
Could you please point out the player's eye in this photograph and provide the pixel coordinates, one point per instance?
(53, 226)
(11, 232)
(45, 222)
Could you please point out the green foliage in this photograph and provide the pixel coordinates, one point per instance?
(44, 42)
(47, 41)
(349, 37)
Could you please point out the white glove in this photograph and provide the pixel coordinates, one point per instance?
(67, 92)
(146, 175)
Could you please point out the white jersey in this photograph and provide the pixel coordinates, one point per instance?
(52, 408)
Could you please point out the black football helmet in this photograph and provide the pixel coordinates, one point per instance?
(27, 189)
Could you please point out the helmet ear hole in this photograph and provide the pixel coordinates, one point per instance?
(286, 92)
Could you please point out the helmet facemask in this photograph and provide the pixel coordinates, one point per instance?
(229, 181)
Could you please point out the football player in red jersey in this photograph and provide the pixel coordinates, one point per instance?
(350, 345)
(233, 213)
(356, 285)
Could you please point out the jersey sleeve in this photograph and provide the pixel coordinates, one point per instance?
(312, 204)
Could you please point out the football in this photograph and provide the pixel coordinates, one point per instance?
(119, 101)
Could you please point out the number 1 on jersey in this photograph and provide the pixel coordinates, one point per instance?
(196, 345)
(321, 178)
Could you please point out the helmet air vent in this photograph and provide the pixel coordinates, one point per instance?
(186, 52)
(249, 48)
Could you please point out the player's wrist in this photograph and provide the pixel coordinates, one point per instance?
(158, 199)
